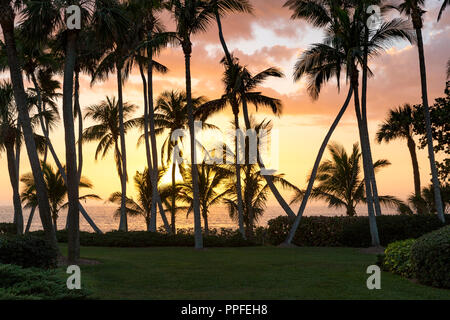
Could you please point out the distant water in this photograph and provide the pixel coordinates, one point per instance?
(103, 216)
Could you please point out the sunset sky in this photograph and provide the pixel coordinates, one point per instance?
(269, 38)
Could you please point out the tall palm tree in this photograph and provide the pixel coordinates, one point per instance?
(191, 17)
(147, 28)
(341, 50)
(212, 180)
(400, 125)
(9, 133)
(142, 206)
(171, 115)
(8, 11)
(339, 181)
(414, 9)
(117, 59)
(57, 190)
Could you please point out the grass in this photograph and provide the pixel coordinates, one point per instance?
(241, 273)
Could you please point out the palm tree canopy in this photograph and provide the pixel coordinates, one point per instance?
(399, 124)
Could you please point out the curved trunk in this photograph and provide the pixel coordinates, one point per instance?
(367, 175)
(194, 168)
(123, 225)
(309, 188)
(365, 133)
(222, 38)
(12, 170)
(30, 220)
(7, 24)
(429, 135)
(56, 159)
(415, 165)
(73, 238)
(151, 113)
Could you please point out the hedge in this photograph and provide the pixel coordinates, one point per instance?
(17, 283)
(397, 258)
(430, 258)
(28, 251)
(346, 231)
(225, 238)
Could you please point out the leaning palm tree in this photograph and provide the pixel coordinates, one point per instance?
(443, 7)
(8, 12)
(342, 50)
(107, 130)
(339, 181)
(414, 9)
(400, 125)
(57, 191)
(211, 181)
(191, 17)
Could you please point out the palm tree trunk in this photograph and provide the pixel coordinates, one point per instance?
(309, 188)
(77, 108)
(222, 38)
(18, 216)
(367, 175)
(71, 155)
(429, 135)
(7, 24)
(187, 49)
(55, 156)
(365, 126)
(174, 203)
(151, 113)
(240, 204)
(415, 165)
(30, 220)
(205, 222)
(123, 225)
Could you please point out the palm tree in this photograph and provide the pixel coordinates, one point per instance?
(143, 205)
(211, 181)
(9, 133)
(339, 180)
(443, 7)
(414, 10)
(147, 28)
(425, 200)
(57, 191)
(171, 115)
(191, 17)
(8, 11)
(341, 50)
(400, 125)
(117, 59)
(107, 129)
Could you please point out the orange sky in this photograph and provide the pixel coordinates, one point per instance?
(269, 38)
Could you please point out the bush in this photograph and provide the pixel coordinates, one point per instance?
(7, 229)
(28, 251)
(35, 284)
(430, 258)
(351, 231)
(397, 258)
(184, 238)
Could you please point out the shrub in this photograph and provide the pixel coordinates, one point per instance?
(7, 229)
(430, 258)
(28, 251)
(351, 231)
(184, 238)
(34, 284)
(397, 258)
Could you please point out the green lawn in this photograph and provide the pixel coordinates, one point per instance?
(241, 273)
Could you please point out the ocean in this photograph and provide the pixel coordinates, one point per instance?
(103, 216)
